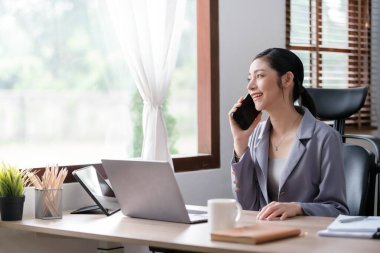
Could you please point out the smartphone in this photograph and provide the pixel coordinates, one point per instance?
(246, 113)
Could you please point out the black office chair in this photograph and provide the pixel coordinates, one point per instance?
(361, 166)
(357, 171)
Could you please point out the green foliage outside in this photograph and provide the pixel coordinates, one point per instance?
(67, 51)
(170, 121)
(12, 181)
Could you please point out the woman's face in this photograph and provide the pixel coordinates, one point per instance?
(264, 85)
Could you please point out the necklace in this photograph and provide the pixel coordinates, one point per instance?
(276, 147)
(279, 143)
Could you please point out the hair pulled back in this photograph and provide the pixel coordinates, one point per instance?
(282, 61)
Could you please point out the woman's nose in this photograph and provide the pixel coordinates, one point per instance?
(251, 85)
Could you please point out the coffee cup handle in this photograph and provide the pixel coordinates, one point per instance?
(238, 213)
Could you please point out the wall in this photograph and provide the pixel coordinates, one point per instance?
(375, 73)
(246, 28)
(375, 55)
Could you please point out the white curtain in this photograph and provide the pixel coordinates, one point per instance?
(149, 32)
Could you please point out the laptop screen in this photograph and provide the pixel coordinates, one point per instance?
(97, 188)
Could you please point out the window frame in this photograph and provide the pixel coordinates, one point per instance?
(208, 91)
(354, 50)
(208, 156)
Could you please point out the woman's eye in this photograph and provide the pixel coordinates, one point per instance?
(259, 76)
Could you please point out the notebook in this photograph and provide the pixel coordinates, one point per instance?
(98, 189)
(346, 223)
(353, 226)
(255, 234)
(149, 190)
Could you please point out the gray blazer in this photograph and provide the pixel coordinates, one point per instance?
(313, 175)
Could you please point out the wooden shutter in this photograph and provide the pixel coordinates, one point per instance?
(332, 38)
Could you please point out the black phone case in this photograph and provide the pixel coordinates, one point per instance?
(246, 113)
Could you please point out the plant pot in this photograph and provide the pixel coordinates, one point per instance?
(12, 208)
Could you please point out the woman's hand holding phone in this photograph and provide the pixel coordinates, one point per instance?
(243, 118)
(246, 113)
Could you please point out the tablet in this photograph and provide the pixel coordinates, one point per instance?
(98, 189)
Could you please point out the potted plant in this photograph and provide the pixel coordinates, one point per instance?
(12, 187)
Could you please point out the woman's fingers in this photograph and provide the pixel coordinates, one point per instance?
(233, 109)
(284, 216)
(264, 212)
(276, 209)
(276, 212)
(236, 105)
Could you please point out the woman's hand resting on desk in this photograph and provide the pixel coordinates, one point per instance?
(280, 209)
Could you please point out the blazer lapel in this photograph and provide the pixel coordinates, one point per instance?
(304, 133)
(293, 159)
(261, 149)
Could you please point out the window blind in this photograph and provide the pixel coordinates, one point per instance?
(332, 38)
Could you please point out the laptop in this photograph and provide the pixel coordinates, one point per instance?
(149, 190)
(98, 189)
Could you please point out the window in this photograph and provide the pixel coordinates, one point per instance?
(332, 38)
(67, 96)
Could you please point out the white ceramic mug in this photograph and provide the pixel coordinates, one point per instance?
(223, 213)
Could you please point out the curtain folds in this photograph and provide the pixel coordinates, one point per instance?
(149, 32)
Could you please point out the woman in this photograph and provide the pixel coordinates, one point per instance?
(290, 164)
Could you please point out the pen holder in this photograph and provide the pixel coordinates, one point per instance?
(48, 204)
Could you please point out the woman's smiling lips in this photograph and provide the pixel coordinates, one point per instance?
(256, 96)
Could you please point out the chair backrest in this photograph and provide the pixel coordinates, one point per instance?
(359, 163)
(357, 169)
(338, 104)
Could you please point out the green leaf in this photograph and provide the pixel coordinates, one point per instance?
(12, 182)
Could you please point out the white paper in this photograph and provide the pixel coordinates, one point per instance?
(345, 234)
(369, 224)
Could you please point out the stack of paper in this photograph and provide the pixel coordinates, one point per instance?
(353, 226)
(255, 234)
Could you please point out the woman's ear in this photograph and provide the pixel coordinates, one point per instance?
(287, 79)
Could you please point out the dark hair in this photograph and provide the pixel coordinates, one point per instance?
(283, 60)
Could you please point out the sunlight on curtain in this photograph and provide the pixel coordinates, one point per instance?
(63, 99)
(149, 33)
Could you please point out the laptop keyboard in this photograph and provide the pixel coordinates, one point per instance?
(191, 211)
(197, 215)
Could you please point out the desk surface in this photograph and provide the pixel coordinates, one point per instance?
(118, 228)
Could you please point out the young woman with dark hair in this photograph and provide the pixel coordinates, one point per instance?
(290, 164)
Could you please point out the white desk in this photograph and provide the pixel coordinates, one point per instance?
(118, 228)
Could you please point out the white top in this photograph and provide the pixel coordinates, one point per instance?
(275, 169)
